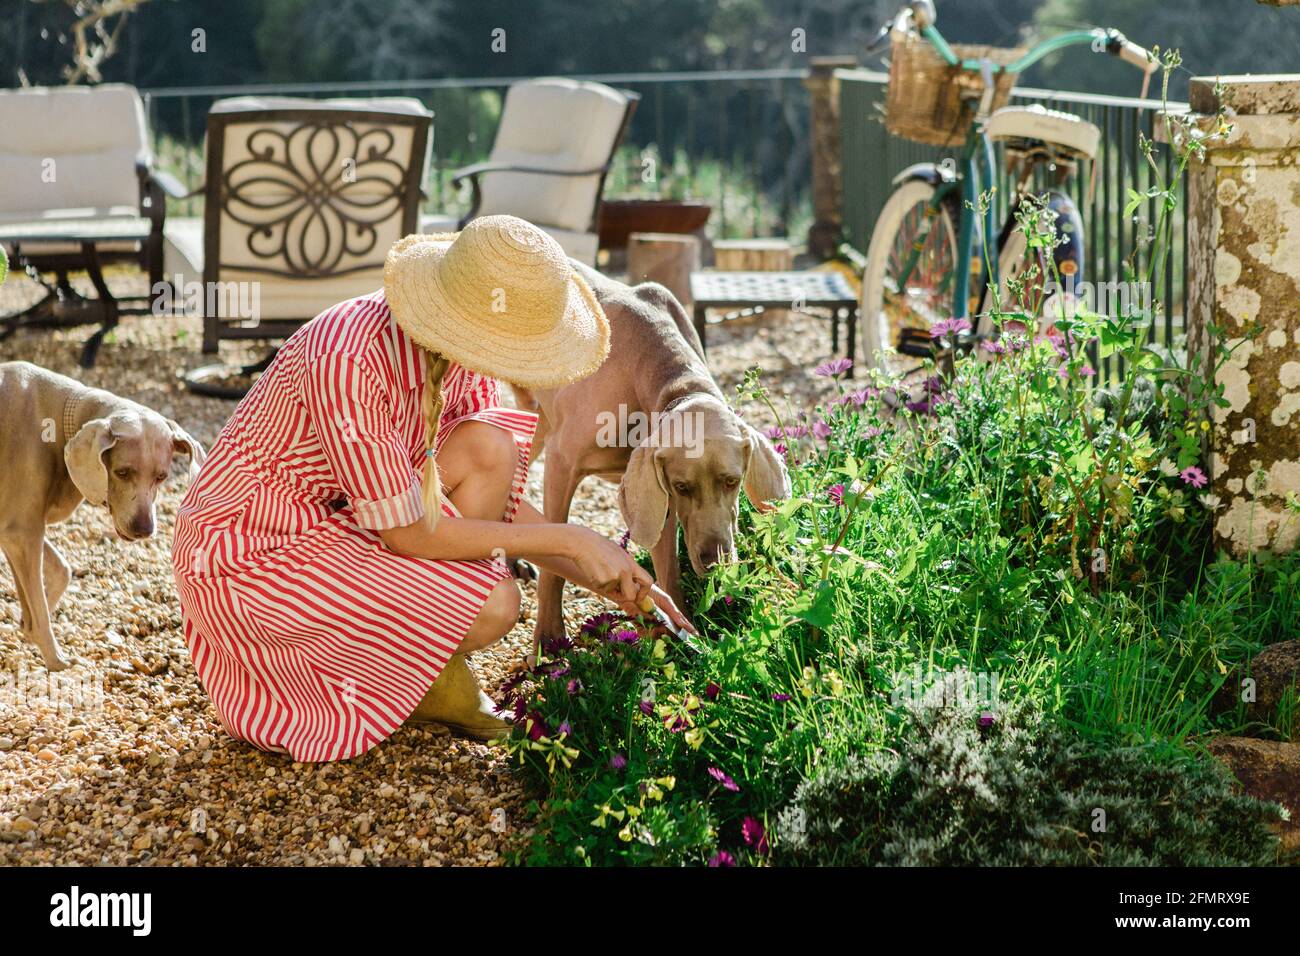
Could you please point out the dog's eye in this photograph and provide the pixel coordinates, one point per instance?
(160, 477)
(731, 483)
(124, 473)
(682, 488)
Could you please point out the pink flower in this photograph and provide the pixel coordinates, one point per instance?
(754, 834)
(949, 327)
(833, 368)
(722, 778)
(1193, 476)
(780, 448)
(722, 858)
(712, 691)
(617, 762)
(836, 495)
(775, 432)
(821, 430)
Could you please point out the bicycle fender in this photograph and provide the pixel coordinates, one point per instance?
(1069, 226)
(932, 173)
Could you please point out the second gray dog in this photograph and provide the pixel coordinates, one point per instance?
(61, 443)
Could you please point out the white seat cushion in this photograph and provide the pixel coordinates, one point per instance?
(1064, 130)
(66, 150)
(560, 124)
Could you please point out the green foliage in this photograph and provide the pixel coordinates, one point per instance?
(1000, 520)
(1019, 792)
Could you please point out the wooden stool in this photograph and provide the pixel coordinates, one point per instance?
(664, 257)
(777, 290)
(753, 255)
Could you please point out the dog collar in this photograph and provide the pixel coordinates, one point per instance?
(70, 409)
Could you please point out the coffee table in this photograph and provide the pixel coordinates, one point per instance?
(777, 290)
(62, 306)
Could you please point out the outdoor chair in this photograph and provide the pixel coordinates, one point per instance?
(78, 191)
(553, 148)
(301, 202)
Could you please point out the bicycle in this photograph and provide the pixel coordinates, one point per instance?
(926, 254)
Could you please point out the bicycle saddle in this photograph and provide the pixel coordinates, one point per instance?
(1065, 131)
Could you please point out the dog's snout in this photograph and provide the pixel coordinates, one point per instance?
(714, 551)
(141, 526)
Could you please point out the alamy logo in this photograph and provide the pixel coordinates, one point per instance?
(627, 428)
(75, 908)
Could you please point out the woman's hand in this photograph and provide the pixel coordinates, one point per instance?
(608, 570)
(659, 597)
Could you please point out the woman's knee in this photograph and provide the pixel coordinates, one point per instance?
(500, 613)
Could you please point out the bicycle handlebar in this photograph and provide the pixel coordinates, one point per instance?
(1109, 41)
(1119, 45)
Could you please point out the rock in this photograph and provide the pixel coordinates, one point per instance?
(1268, 770)
(143, 842)
(47, 755)
(6, 744)
(357, 857)
(23, 825)
(1275, 670)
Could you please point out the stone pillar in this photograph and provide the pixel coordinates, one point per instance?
(824, 89)
(1244, 277)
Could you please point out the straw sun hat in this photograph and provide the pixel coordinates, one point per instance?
(501, 299)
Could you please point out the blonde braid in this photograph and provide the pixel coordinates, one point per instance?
(431, 402)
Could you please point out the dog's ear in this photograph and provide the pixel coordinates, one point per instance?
(84, 456)
(183, 443)
(765, 477)
(642, 497)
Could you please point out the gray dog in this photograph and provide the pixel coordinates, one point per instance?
(653, 419)
(61, 442)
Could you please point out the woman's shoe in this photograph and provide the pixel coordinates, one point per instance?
(457, 700)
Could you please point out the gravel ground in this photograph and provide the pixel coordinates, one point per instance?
(121, 759)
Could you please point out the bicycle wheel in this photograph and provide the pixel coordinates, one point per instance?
(888, 307)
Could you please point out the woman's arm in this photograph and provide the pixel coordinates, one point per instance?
(595, 563)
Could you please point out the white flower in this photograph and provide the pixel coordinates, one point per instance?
(1211, 501)
(1168, 468)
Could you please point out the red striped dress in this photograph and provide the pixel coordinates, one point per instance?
(309, 635)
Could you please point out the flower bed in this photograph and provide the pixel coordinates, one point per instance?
(988, 627)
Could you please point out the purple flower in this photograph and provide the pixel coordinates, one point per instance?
(833, 368)
(722, 778)
(555, 646)
(537, 728)
(775, 432)
(1085, 371)
(617, 762)
(647, 707)
(796, 431)
(836, 495)
(1193, 476)
(821, 429)
(754, 834)
(625, 635)
(712, 691)
(728, 599)
(722, 858)
(996, 348)
(949, 327)
(565, 728)
(599, 624)
(780, 448)
(780, 696)
(574, 687)
(986, 719)
(520, 707)
(624, 538)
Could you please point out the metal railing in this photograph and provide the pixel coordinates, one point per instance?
(872, 157)
(736, 139)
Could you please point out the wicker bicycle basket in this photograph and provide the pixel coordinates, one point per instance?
(931, 102)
